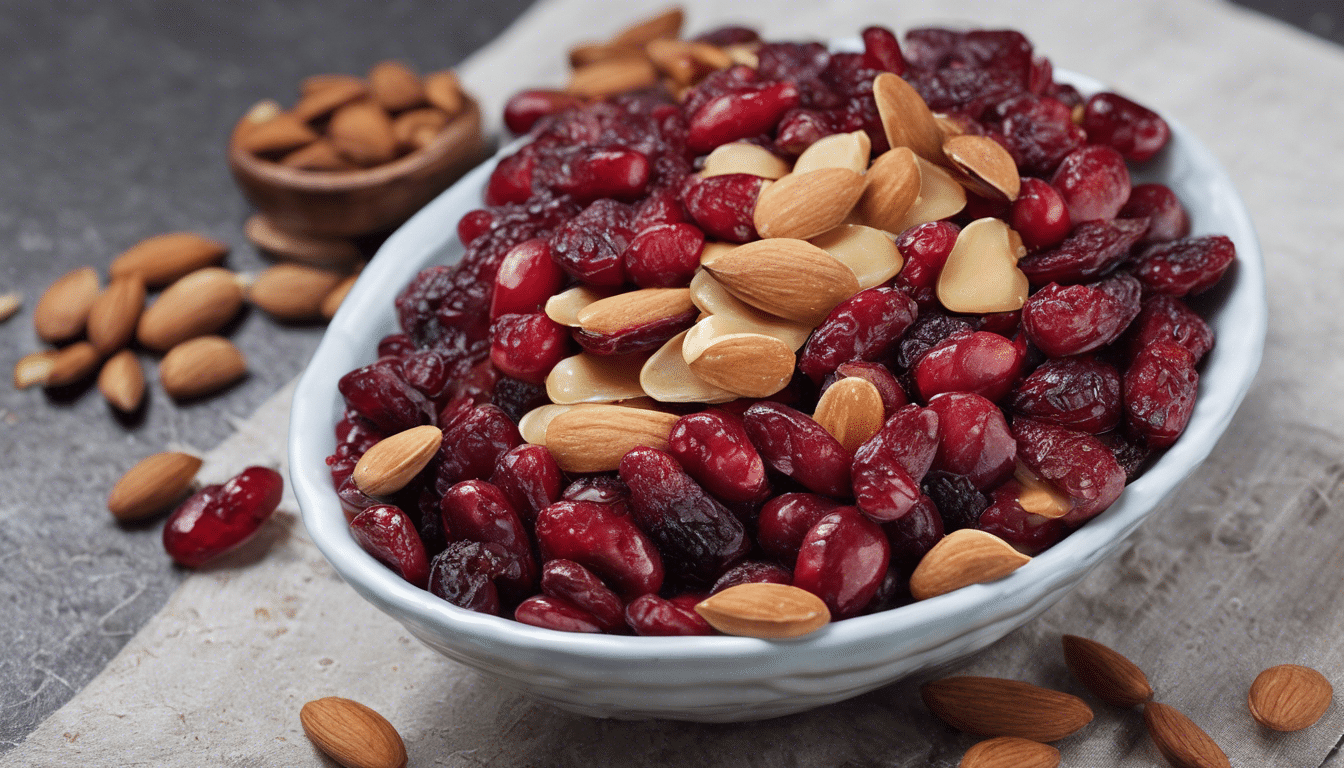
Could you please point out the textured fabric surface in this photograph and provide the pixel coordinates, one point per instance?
(1236, 574)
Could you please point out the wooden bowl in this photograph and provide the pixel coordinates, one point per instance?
(360, 202)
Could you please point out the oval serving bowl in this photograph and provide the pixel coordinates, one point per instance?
(725, 679)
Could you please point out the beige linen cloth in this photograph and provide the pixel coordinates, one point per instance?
(1239, 572)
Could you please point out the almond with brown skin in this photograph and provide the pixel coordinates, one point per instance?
(313, 250)
(963, 557)
(164, 259)
(666, 24)
(321, 155)
(803, 205)
(34, 369)
(1181, 742)
(321, 101)
(201, 366)
(200, 303)
(293, 293)
(594, 438)
(893, 187)
(985, 166)
(352, 734)
(152, 485)
(1010, 752)
(415, 128)
(992, 706)
(585, 54)
(443, 90)
(393, 462)
(1108, 675)
(313, 83)
(747, 364)
(10, 304)
(632, 309)
(282, 133)
(332, 301)
(63, 310)
(764, 610)
(607, 78)
(1289, 697)
(906, 119)
(667, 378)
(115, 313)
(789, 278)
(362, 132)
(395, 86)
(851, 410)
(122, 381)
(73, 363)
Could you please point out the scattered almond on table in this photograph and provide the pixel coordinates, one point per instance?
(352, 734)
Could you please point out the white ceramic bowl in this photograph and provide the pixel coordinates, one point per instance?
(732, 678)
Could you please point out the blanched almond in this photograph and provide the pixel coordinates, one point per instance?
(893, 187)
(200, 303)
(443, 90)
(789, 278)
(73, 363)
(200, 366)
(393, 462)
(335, 93)
(634, 308)
(164, 259)
(1038, 496)
(352, 734)
(152, 485)
(281, 133)
(395, 86)
(115, 313)
(839, 150)
(122, 381)
(963, 557)
(987, 167)
(739, 157)
(63, 310)
(764, 610)
(711, 327)
(10, 304)
(906, 119)
(981, 274)
(940, 196)
(588, 378)
(803, 205)
(747, 364)
(292, 292)
(595, 438)
(851, 410)
(34, 369)
(532, 426)
(564, 307)
(313, 250)
(667, 378)
(868, 252)
(607, 78)
(362, 132)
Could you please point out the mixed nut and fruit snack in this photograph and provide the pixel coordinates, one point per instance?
(869, 325)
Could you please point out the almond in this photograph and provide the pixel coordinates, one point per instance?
(839, 150)
(607, 78)
(115, 313)
(10, 304)
(736, 316)
(352, 734)
(893, 187)
(981, 274)
(293, 293)
(1181, 742)
(869, 253)
(803, 205)
(393, 462)
(940, 196)
(200, 303)
(64, 308)
(164, 259)
(1289, 697)
(321, 155)
(1038, 496)
(963, 557)
(595, 438)
(362, 132)
(313, 250)
(739, 157)
(668, 379)
(73, 363)
(992, 706)
(332, 301)
(313, 83)
(320, 101)
(443, 90)
(851, 410)
(634, 308)
(589, 378)
(747, 364)
(152, 485)
(987, 167)
(395, 86)
(585, 54)
(122, 381)
(34, 369)
(1108, 675)
(201, 366)
(666, 24)
(686, 62)
(716, 326)
(282, 133)
(792, 279)
(906, 119)
(764, 610)
(1010, 752)
(263, 111)
(564, 307)
(415, 128)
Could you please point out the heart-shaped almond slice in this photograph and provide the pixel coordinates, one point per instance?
(595, 438)
(963, 557)
(564, 307)
(906, 118)
(893, 187)
(803, 205)
(940, 196)
(764, 610)
(739, 157)
(851, 410)
(393, 462)
(789, 278)
(839, 150)
(987, 167)
(868, 252)
(747, 364)
(587, 378)
(632, 309)
(667, 378)
(981, 274)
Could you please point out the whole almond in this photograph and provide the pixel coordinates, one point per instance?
(906, 118)
(589, 378)
(152, 485)
(634, 308)
(321, 155)
(443, 90)
(764, 610)
(893, 187)
(803, 205)
(747, 364)
(122, 381)
(585, 54)
(198, 304)
(393, 462)
(595, 438)
(73, 363)
(352, 734)
(684, 61)
(362, 132)
(164, 259)
(321, 101)
(790, 278)
(34, 369)
(851, 410)
(63, 310)
(1181, 742)
(963, 557)
(313, 250)
(415, 128)
(115, 313)
(293, 293)
(607, 78)
(992, 706)
(332, 301)
(200, 366)
(666, 24)
(667, 378)
(1010, 752)
(985, 165)
(282, 133)
(396, 86)
(314, 83)
(10, 304)
(1289, 697)
(1108, 675)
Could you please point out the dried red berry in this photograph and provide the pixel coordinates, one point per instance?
(1160, 388)
(385, 532)
(714, 449)
(843, 560)
(218, 518)
(1185, 267)
(1135, 131)
(799, 447)
(603, 539)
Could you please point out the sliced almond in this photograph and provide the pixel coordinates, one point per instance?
(992, 706)
(201, 366)
(1289, 697)
(595, 438)
(868, 252)
(336, 93)
(906, 119)
(395, 86)
(293, 293)
(393, 462)
(712, 327)
(1183, 743)
(313, 250)
(667, 378)
(362, 132)
(115, 313)
(1010, 752)
(981, 274)
(988, 168)
(1038, 496)
(1108, 675)
(940, 196)
(588, 378)
(63, 310)
(961, 558)
(352, 734)
(321, 155)
(532, 426)
(744, 54)
(564, 307)
(163, 259)
(666, 24)
(607, 78)
(893, 187)
(200, 303)
(851, 410)
(34, 369)
(152, 485)
(73, 363)
(10, 304)
(840, 150)
(281, 133)
(789, 278)
(413, 127)
(443, 90)
(764, 610)
(739, 157)
(332, 301)
(122, 381)
(747, 364)
(634, 308)
(803, 205)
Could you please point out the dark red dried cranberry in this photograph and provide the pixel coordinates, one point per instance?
(529, 478)
(218, 518)
(511, 181)
(801, 128)
(550, 612)
(664, 255)
(1167, 218)
(651, 615)
(662, 206)
(464, 574)
(883, 488)
(786, 519)
(795, 445)
(386, 532)
(395, 345)
(1094, 183)
(958, 501)
(925, 249)
(974, 439)
(729, 35)
(430, 372)
(570, 581)
(1185, 267)
(590, 245)
(882, 51)
(1093, 249)
(1130, 454)
(1135, 131)
(606, 488)
(474, 510)
(928, 331)
(601, 172)
(1039, 215)
(980, 362)
(723, 206)
(527, 277)
(380, 395)
(843, 560)
(739, 115)
(867, 326)
(1071, 320)
(474, 224)
(527, 107)
(1074, 462)
(912, 536)
(753, 572)
(1080, 393)
(473, 444)
(1160, 388)
(603, 539)
(527, 347)
(1040, 133)
(1005, 518)
(1167, 318)
(714, 449)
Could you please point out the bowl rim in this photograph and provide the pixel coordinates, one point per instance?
(925, 624)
